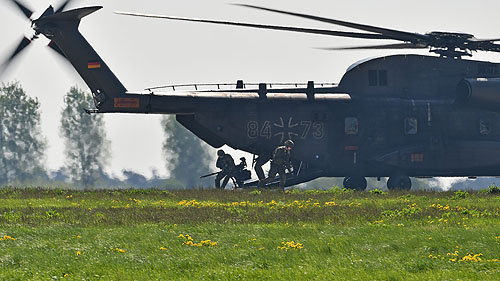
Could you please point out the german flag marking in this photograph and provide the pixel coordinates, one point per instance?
(126, 103)
(94, 65)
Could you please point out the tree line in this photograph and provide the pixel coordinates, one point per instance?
(86, 147)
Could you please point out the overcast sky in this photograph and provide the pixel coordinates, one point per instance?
(150, 52)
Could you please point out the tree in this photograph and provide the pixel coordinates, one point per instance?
(86, 147)
(21, 143)
(188, 157)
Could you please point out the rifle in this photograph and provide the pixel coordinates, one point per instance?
(209, 175)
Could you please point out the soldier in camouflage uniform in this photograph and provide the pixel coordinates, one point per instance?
(226, 163)
(280, 161)
(261, 160)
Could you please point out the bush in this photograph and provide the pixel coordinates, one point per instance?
(460, 195)
(338, 190)
(377, 191)
(493, 189)
(255, 192)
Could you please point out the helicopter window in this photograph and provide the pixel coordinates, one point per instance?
(484, 126)
(351, 126)
(377, 77)
(372, 78)
(411, 126)
(487, 69)
(382, 77)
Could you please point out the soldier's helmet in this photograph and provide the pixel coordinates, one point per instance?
(289, 143)
(220, 152)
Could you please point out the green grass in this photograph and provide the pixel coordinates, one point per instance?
(134, 235)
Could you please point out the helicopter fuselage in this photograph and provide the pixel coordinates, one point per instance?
(401, 117)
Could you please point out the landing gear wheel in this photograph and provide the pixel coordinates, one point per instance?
(399, 182)
(356, 182)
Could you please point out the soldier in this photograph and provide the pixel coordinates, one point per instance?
(259, 162)
(281, 161)
(226, 163)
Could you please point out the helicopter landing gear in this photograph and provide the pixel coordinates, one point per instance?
(399, 182)
(355, 182)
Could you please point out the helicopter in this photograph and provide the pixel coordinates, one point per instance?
(397, 116)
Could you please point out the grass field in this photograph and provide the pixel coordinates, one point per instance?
(268, 235)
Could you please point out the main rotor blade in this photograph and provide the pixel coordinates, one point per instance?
(379, 47)
(27, 12)
(272, 27)
(475, 40)
(22, 45)
(394, 34)
(490, 48)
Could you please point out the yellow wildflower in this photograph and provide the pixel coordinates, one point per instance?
(472, 257)
(7, 237)
(120, 250)
(188, 240)
(291, 245)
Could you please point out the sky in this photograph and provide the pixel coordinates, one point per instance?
(149, 52)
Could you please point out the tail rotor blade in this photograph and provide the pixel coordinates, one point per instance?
(22, 45)
(48, 12)
(61, 8)
(56, 48)
(27, 12)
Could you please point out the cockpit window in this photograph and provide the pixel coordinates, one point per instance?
(411, 126)
(351, 126)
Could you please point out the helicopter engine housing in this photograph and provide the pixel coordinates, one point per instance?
(480, 92)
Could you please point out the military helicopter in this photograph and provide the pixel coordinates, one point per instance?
(397, 116)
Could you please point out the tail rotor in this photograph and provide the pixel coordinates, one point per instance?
(25, 41)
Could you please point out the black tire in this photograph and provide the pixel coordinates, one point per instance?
(356, 182)
(399, 182)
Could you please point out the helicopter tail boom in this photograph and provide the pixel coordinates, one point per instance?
(111, 96)
(62, 29)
